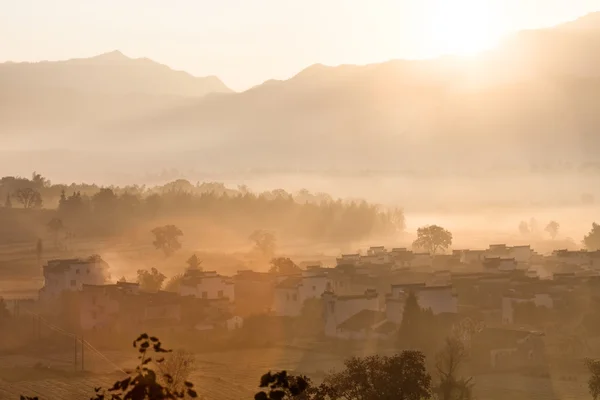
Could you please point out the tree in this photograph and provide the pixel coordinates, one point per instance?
(431, 238)
(552, 229)
(524, 228)
(150, 281)
(284, 266)
(178, 365)
(594, 381)
(166, 238)
(399, 377)
(39, 250)
(264, 243)
(194, 262)
(283, 386)
(592, 239)
(448, 364)
(174, 283)
(55, 225)
(29, 198)
(8, 202)
(417, 328)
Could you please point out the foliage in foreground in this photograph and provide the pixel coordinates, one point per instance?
(144, 383)
(399, 377)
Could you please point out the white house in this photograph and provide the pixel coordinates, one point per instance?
(313, 284)
(499, 264)
(507, 264)
(291, 292)
(339, 308)
(440, 299)
(521, 254)
(71, 275)
(472, 256)
(348, 259)
(509, 301)
(286, 299)
(206, 285)
(421, 260)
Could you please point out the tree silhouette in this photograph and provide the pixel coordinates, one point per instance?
(193, 262)
(283, 386)
(431, 238)
(150, 281)
(264, 242)
(552, 229)
(402, 376)
(594, 380)
(524, 228)
(166, 238)
(448, 363)
(592, 239)
(55, 225)
(284, 266)
(29, 198)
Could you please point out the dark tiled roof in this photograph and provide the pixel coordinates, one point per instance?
(289, 283)
(362, 320)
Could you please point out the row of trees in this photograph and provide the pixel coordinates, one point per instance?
(106, 211)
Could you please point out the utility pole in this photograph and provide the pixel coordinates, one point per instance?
(82, 348)
(75, 355)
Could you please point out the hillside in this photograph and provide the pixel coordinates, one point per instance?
(534, 99)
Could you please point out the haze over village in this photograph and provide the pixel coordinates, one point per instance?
(317, 201)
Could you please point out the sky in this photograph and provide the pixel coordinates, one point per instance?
(245, 42)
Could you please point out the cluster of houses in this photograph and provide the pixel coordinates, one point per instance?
(362, 297)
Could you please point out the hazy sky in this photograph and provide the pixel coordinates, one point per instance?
(246, 42)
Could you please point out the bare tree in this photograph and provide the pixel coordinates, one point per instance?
(29, 198)
(264, 243)
(179, 365)
(448, 364)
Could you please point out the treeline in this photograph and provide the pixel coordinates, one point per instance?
(89, 210)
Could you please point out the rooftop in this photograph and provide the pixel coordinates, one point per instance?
(364, 319)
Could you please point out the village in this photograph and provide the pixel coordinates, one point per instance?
(500, 299)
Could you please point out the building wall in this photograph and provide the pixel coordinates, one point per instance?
(313, 287)
(287, 302)
(97, 309)
(522, 254)
(421, 260)
(394, 310)
(210, 287)
(337, 310)
(438, 300)
(71, 278)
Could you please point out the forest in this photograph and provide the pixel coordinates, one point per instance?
(35, 206)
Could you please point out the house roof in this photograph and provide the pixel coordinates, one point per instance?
(386, 328)
(364, 319)
(504, 337)
(289, 283)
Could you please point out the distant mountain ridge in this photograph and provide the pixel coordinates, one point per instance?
(109, 73)
(535, 98)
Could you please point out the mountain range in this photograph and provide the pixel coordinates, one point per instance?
(534, 99)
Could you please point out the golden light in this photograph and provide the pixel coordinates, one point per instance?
(464, 27)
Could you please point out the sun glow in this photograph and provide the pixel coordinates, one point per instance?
(464, 27)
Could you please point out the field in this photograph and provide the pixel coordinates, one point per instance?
(234, 375)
